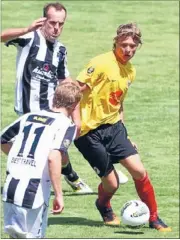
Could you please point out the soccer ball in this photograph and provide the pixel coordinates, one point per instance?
(135, 213)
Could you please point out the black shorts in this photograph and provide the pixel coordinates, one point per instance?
(104, 146)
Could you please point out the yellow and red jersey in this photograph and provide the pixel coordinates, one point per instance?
(108, 82)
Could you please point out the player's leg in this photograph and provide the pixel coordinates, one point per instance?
(131, 161)
(106, 190)
(145, 190)
(72, 178)
(95, 153)
(115, 149)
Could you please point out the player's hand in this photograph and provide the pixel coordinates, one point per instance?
(58, 205)
(36, 24)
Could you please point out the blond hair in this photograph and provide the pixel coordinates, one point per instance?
(129, 29)
(66, 94)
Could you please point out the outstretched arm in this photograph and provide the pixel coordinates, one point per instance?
(12, 33)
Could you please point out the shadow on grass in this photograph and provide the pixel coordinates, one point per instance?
(73, 221)
(131, 230)
(128, 232)
(86, 222)
(71, 193)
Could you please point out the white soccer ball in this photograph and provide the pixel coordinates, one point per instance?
(135, 213)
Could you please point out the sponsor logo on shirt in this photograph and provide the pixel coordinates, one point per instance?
(44, 73)
(115, 97)
(46, 67)
(21, 160)
(90, 70)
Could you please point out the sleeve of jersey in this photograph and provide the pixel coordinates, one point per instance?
(62, 70)
(90, 74)
(21, 41)
(63, 139)
(133, 74)
(132, 78)
(10, 131)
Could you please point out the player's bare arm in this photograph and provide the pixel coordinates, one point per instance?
(12, 33)
(5, 148)
(54, 164)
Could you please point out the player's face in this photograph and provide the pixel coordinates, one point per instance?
(54, 24)
(125, 48)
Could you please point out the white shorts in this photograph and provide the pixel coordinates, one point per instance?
(22, 222)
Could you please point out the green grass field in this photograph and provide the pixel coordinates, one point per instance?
(151, 107)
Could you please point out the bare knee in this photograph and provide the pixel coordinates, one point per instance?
(134, 166)
(140, 174)
(110, 182)
(110, 187)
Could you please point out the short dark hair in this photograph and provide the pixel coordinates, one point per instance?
(57, 6)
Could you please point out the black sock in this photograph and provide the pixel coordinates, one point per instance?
(69, 172)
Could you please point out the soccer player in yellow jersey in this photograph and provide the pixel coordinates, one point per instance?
(104, 140)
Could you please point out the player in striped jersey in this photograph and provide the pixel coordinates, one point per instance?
(41, 65)
(34, 162)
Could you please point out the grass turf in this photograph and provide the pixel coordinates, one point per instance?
(151, 107)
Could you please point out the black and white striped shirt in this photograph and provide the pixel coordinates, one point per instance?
(35, 135)
(39, 66)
